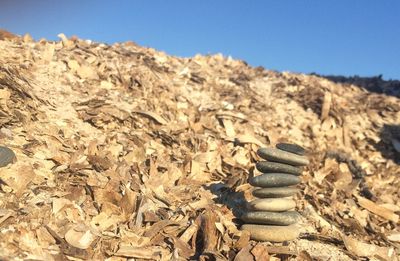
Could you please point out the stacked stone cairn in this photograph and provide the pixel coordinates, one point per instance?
(272, 217)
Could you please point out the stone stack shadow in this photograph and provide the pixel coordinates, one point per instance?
(272, 217)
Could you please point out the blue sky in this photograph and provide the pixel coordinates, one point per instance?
(342, 37)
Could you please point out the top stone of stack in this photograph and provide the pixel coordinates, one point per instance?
(283, 156)
(294, 148)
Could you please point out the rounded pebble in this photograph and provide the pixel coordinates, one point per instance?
(272, 233)
(268, 167)
(274, 180)
(278, 192)
(271, 218)
(294, 148)
(7, 156)
(272, 204)
(282, 156)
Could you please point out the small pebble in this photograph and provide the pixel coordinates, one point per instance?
(268, 167)
(7, 156)
(271, 218)
(274, 180)
(294, 148)
(272, 204)
(279, 192)
(282, 156)
(272, 233)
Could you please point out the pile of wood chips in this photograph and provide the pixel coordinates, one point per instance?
(126, 153)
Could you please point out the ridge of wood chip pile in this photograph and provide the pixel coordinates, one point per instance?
(124, 152)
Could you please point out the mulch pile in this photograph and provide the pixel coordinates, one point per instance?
(125, 152)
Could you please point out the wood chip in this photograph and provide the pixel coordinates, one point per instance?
(326, 106)
(153, 116)
(368, 250)
(378, 210)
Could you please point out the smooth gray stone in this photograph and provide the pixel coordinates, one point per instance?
(271, 204)
(272, 233)
(271, 218)
(279, 192)
(273, 167)
(294, 148)
(7, 156)
(271, 180)
(282, 156)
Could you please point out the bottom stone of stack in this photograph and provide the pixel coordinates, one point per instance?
(272, 233)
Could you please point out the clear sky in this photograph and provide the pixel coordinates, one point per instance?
(342, 37)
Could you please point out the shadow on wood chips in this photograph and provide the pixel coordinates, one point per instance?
(235, 201)
(389, 145)
(372, 84)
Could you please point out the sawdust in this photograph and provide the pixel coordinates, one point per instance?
(126, 152)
